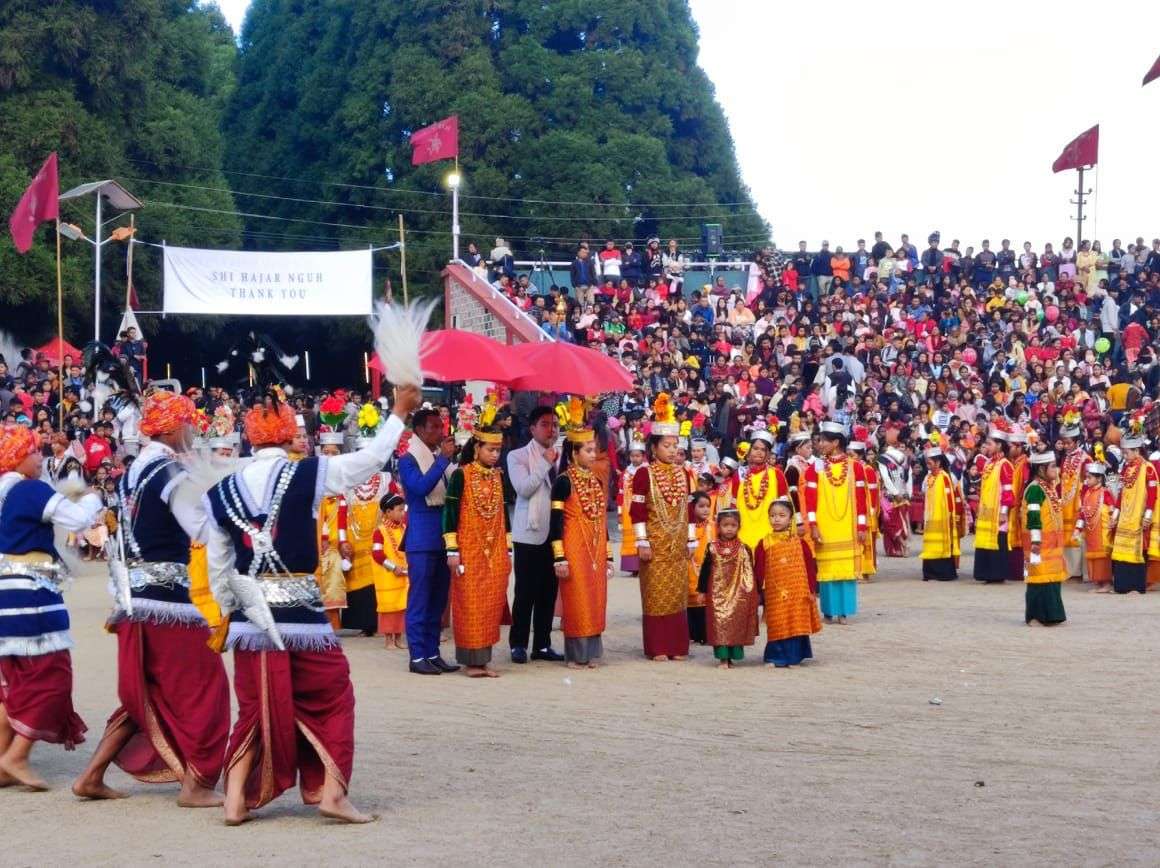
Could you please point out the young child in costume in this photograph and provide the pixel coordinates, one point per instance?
(391, 572)
(705, 531)
(731, 597)
(785, 569)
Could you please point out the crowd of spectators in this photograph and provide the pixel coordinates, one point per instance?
(936, 342)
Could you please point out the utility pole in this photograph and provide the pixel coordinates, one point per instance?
(1080, 200)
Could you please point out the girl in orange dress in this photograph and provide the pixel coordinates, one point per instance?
(579, 536)
(478, 540)
(1093, 527)
(785, 569)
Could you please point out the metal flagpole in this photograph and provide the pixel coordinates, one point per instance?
(403, 257)
(454, 181)
(97, 274)
(60, 324)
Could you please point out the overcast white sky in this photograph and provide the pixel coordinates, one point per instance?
(934, 115)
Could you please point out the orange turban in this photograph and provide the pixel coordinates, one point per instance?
(267, 426)
(165, 412)
(17, 442)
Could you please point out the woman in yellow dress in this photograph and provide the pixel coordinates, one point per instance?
(941, 519)
(578, 532)
(391, 577)
(1046, 569)
(835, 499)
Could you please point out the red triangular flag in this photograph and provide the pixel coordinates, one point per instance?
(39, 203)
(440, 141)
(1154, 72)
(1083, 150)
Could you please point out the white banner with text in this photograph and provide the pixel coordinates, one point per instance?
(335, 283)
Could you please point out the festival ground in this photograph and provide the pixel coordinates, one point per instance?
(1043, 750)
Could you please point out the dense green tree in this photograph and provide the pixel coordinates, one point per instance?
(559, 101)
(131, 90)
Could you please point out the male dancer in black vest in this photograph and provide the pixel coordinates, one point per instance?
(174, 718)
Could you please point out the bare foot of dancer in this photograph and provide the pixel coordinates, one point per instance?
(342, 810)
(87, 788)
(23, 773)
(196, 796)
(572, 664)
(593, 664)
(680, 656)
(661, 658)
(722, 664)
(236, 810)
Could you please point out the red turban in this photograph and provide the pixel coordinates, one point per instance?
(165, 412)
(17, 442)
(271, 426)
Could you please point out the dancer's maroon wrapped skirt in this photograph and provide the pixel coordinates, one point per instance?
(174, 692)
(37, 696)
(297, 709)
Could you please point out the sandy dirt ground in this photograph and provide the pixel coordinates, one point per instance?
(1043, 750)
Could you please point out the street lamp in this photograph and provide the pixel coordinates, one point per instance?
(453, 181)
(119, 198)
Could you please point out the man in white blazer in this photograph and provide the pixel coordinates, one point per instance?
(532, 470)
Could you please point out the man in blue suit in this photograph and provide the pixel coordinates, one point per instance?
(424, 473)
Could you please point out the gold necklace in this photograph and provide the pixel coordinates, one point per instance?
(747, 490)
(486, 490)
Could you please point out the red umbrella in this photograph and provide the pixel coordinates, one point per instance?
(450, 355)
(564, 367)
(56, 347)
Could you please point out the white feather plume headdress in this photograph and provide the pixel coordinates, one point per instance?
(398, 337)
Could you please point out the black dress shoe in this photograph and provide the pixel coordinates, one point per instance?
(548, 654)
(425, 667)
(519, 655)
(442, 665)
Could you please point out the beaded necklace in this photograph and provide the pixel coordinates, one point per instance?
(261, 539)
(1131, 472)
(751, 502)
(672, 482)
(589, 492)
(486, 490)
(669, 500)
(834, 486)
(366, 491)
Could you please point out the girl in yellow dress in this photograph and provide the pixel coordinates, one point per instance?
(391, 576)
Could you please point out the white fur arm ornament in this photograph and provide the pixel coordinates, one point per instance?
(398, 340)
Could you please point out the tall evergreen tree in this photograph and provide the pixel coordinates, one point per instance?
(129, 90)
(578, 119)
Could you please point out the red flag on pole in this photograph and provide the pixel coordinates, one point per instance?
(1154, 72)
(39, 203)
(1083, 150)
(440, 141)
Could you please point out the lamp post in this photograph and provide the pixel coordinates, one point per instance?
(119, 198)
(453, 181)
